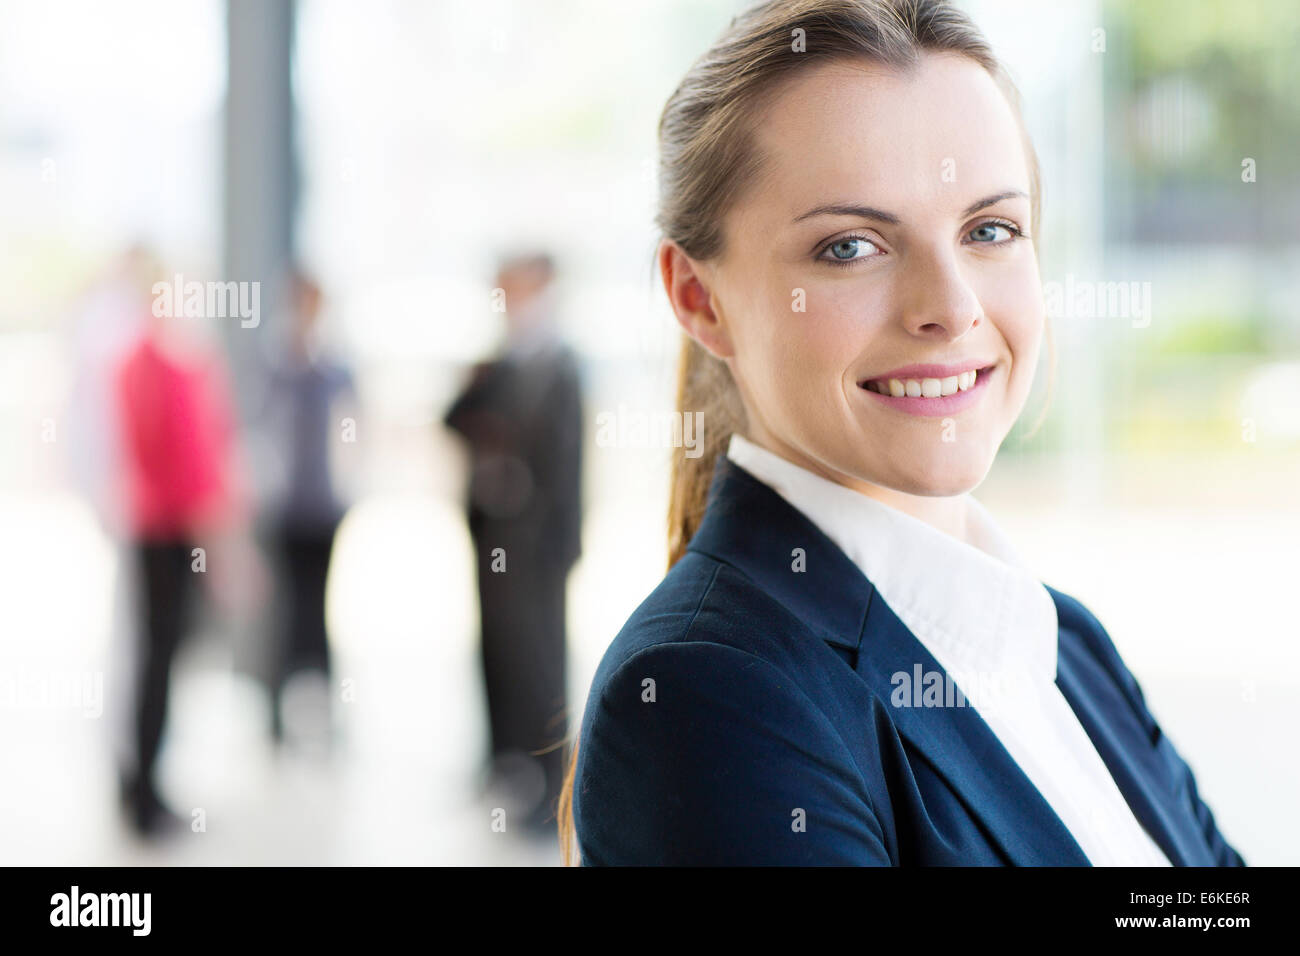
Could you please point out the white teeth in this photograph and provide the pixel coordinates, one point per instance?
(925, 387)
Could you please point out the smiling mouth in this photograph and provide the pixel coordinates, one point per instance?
(926, 387)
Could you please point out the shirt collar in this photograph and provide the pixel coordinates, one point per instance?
(976, 607)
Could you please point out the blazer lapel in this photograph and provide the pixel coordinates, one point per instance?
(1133, 782)
(961, 747)
(751, 527)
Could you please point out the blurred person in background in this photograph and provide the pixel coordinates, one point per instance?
(184, 517)
(105, 322)
(307, 418)
(521, 415)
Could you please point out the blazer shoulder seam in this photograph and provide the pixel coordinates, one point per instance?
(699, 606)
(749, 582)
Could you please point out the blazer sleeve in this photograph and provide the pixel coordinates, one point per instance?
(702, 754)
(1104, 647)
(556, 458)
(472, 412)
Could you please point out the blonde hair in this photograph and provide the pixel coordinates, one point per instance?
(707, 158)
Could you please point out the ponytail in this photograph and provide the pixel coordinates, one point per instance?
(704, 386)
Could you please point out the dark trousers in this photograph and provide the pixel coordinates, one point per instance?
(303, 644)
(166, 589)
(523, 653)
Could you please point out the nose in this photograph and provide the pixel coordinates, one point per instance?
(938, 302)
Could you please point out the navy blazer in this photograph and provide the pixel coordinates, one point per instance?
(743, 716)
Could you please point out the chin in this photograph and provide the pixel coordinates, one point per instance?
(946, 479)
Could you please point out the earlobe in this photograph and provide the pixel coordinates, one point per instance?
(688, 285)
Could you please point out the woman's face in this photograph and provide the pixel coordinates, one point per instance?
(883, 233)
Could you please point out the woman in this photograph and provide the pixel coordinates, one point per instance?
(847, 663)
(186, 504)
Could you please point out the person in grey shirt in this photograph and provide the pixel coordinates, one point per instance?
(304, 394)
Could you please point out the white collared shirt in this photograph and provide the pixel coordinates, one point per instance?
(991, 625)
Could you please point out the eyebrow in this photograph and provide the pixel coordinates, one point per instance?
(868, 212)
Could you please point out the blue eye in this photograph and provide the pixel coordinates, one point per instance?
(988, 233)
(844, 252)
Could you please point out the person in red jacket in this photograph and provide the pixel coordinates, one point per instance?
(177, 439)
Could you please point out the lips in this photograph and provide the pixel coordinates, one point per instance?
(925, 386)
(946, 390)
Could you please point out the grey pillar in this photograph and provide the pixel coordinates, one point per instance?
(261, 181)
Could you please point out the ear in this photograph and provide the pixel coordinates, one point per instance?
(688, 285)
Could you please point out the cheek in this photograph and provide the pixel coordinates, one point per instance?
(1017, 311)
(822, 344)
(795, 361)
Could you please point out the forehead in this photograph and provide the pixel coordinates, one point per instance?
(866, 132)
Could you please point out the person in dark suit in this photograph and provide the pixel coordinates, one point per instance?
(847, 662)
(521, 415)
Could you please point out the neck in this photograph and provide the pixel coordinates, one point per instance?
(947, 514)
